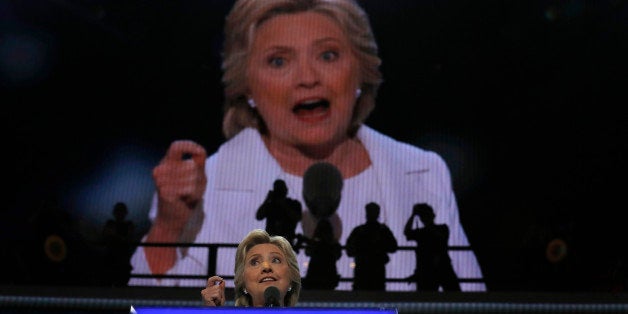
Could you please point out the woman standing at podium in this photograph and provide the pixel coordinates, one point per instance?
(262, 261)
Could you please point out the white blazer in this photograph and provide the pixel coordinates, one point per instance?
(241, 172)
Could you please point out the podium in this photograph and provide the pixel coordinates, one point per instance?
(260, 310)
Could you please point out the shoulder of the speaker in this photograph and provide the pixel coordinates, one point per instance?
(411, 158)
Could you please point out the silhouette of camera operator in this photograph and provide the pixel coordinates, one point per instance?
(324, 251)
(434, 268)
(281, 212)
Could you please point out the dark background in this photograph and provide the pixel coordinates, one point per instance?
(523, 99)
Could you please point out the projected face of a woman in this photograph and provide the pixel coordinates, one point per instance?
(303, 77)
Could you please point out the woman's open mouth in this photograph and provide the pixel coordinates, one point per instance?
(312, 110)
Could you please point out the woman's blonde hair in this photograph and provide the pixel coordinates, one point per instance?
(247, 15)
(259, 236)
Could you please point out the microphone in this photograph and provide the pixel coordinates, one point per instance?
(322, 187)
(271, 297)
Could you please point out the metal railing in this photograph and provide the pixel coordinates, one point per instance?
(213, 254)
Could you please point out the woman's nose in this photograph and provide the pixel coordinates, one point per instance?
(266, 267)
(307, 75)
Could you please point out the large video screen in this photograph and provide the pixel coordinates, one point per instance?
(503, 117)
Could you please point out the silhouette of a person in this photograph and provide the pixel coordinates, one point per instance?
(118, 235)
(281, 212)
(433, 264)
(370, 244)
(324, 251)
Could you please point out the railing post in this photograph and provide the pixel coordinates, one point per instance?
(212, 258)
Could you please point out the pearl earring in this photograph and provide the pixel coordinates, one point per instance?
(289, 288)
(358, 92)
(244, 291)
(251, 103)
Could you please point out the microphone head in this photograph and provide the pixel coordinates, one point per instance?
(271, 296)
(322, 187)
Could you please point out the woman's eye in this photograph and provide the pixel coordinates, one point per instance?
(254, 262)
(329, 55)
(276, 62)
(276, 260)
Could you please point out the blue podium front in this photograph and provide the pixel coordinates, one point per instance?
(259, 310)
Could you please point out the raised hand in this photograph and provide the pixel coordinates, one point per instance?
(214, 292)
(181, 181)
